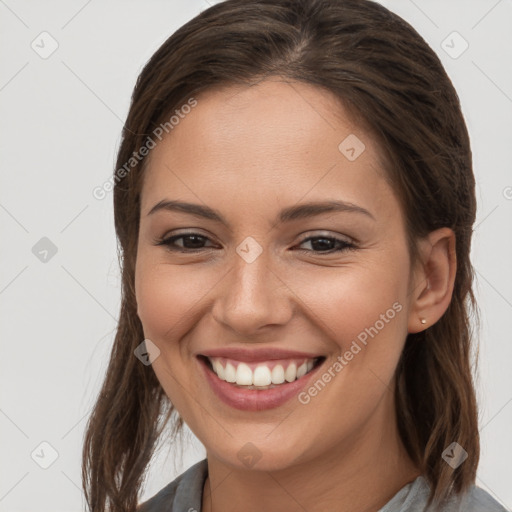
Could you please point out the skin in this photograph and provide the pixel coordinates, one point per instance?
(249, 152)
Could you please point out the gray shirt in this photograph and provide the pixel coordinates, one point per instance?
(185, 495)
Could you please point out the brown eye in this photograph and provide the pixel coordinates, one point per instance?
(190, 242)
(327, 244)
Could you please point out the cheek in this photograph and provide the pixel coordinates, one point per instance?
(166, 297)
(348, 301)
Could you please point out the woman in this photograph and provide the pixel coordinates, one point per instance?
(294, 202)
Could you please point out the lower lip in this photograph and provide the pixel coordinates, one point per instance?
(255, 399)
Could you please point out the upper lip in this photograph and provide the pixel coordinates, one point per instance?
(257, 354)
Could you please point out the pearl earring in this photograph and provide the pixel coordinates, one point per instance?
(423, 321)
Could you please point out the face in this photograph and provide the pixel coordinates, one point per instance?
(257, 281)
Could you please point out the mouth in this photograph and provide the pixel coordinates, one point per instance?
(257, 381)
(262, 375)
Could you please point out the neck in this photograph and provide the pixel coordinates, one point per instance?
(361, 474)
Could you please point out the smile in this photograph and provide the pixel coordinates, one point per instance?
(256, 380)
(263, 375)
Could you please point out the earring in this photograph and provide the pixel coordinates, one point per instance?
(423, 321)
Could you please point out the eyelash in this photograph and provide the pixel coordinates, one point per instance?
(346, 246)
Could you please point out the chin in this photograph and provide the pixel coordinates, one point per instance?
(263, 455)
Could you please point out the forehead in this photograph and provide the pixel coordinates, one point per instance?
(273, 141)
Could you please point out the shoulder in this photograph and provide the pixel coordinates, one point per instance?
(414, 496)
(478, 500)
(183, 494)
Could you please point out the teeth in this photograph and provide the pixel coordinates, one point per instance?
(219, 370)
(243, 375)
(302, 369)
(291, 372)
(262, 377)
(229, 373)
(277, 374)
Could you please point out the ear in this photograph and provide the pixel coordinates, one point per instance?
(433, 279)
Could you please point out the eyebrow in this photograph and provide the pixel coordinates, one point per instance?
(300, 211)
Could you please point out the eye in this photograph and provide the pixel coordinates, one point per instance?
(195, 242)
(327, 244)
(190, 242)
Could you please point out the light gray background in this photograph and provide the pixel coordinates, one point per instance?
(60, 122)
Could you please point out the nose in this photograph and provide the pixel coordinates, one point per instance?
(252, 296)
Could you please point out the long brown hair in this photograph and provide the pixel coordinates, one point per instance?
(381, 70)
